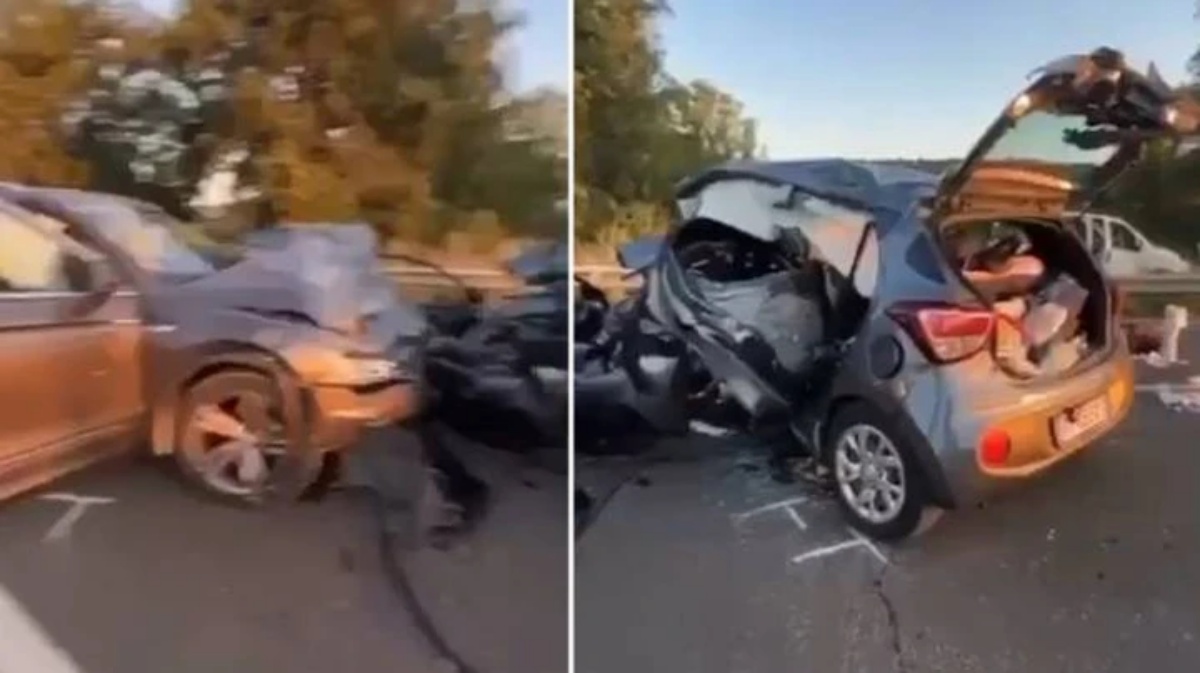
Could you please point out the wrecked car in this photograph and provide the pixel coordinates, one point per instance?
(632, 380)
(923, 341)
(501, 372)
(250, 372)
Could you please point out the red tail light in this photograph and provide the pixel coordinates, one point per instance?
(945, 333)
(995, 447)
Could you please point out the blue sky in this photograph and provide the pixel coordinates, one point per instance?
(890, 78)
(537, 55)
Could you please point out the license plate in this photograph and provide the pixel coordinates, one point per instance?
(1078, 421)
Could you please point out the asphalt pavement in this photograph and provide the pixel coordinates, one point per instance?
(156, 580)
(704, 564)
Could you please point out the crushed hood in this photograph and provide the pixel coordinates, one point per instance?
(329, 275)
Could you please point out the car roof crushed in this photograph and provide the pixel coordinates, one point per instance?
(861, 185)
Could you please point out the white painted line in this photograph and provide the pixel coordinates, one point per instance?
(871, 546)
(63, 527)
(795, 517)
(26, 647)
(769, 508)
(826, 551)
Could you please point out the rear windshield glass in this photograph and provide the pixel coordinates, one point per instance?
(1042, 140)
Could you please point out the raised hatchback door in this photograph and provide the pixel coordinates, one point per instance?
(1063, 139)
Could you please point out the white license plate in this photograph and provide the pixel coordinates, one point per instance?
(1078, 421)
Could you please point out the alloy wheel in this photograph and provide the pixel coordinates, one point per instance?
(870, 473)
(241, 438)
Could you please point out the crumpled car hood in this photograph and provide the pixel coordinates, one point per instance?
(329, 275)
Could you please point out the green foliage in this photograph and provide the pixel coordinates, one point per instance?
(389, 111)
(637, 130)
(1161, 197)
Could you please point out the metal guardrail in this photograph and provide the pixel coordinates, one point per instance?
(614, 278)
(1166, 283)
(607, 277)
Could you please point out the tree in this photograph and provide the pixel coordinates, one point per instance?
(637, 131)
(704, 126)
(331, 110)
(42, 65)
(617, 66)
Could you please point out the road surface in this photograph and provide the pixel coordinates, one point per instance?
(156, 580)
(706, 565)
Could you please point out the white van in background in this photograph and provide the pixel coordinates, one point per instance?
(1125, 251)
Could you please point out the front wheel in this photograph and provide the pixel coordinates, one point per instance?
(879, 486)
(237, 444)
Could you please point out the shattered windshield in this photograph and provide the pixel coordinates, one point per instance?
(1040, 141)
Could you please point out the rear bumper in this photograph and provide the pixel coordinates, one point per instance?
(1028, 421)
(339, 415)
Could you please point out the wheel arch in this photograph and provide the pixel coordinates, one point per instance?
(210, 360)
(900, 423)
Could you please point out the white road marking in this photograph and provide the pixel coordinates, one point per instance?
(26, 647)
(874, 549)
(826, 551)
(858, 542)
(79, 504)
(795, 517)
(769, 508)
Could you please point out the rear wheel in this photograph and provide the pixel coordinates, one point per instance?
(236, 442)
(879, 487)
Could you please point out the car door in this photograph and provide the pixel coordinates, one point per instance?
(70, 366)
(732, 352)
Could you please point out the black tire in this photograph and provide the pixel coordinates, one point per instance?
(908, 519)
(292, 466)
